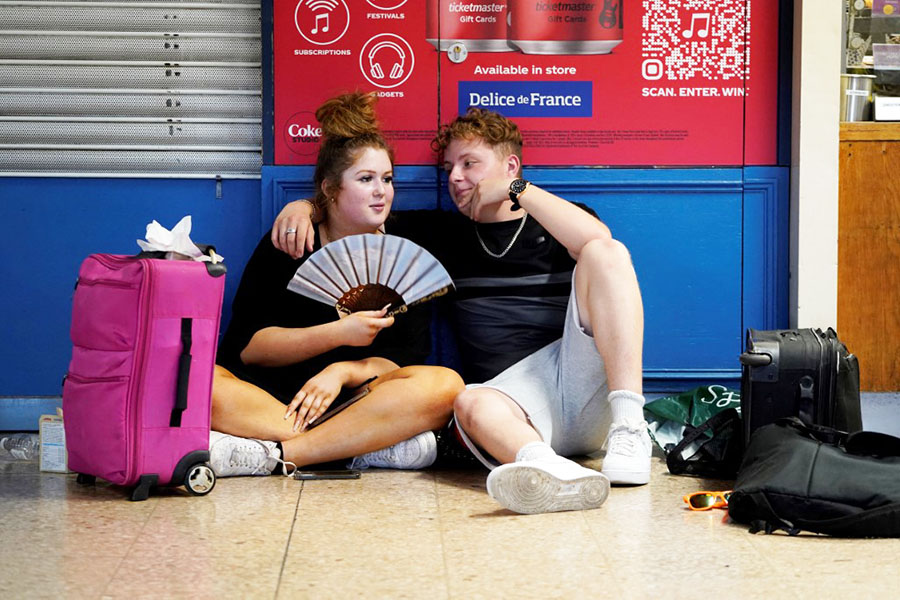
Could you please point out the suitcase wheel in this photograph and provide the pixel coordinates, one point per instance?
(85, 479)
(200, 479)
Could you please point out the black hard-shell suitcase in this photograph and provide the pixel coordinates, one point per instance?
(805, 373)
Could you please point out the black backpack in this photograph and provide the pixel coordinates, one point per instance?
(801, 477)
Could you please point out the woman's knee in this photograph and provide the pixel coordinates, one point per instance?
(436, 388)
(438, 381)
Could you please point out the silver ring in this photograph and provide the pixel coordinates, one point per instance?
(289, 231)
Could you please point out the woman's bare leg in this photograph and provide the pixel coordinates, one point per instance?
(242, 409)
(401, 404)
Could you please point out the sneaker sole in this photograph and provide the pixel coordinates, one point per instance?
(528, 490)
(628, 477)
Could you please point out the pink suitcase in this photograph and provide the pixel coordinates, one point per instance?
(136, 399)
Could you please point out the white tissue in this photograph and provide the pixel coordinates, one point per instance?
(177, 243)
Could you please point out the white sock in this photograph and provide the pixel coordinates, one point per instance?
(535, 451)
(626, 405)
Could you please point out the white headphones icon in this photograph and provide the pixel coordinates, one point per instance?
(375, 68)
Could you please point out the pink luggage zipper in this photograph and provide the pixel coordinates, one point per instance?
(116, 262)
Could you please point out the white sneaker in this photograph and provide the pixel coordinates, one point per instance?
(417, 452)
(628, 449)
(231, 456)
(547, 485)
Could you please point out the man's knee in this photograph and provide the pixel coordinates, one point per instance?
(605, 255)
(472, 407)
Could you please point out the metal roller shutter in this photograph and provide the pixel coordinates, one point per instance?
(130, 88)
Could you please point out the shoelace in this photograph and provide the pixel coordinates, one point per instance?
(624, 439)
(246, 455)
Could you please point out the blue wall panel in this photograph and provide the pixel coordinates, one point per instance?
(683, 229)
(709, 246)
(50, 225)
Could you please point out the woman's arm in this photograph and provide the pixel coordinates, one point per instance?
(281, 346)
(319, 392)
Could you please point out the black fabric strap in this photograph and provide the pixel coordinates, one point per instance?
(184, 373)
(676, 463)
(820, 433)
(881, 521)
(769, 521)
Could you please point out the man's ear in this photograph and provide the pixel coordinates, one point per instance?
(513, 165)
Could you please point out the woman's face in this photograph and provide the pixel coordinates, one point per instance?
(367, 192)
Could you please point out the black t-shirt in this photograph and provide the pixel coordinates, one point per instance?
(505, 308)
(263, 300)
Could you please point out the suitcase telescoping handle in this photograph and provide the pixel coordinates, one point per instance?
(184, 373)
(755, 359)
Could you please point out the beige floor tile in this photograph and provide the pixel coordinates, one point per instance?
(823, 567)
(432, 534)
(374, 537)
(491, 552)
(51, 572)
(52, 510)
(229, 544)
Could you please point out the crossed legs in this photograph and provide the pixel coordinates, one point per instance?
(401, 404)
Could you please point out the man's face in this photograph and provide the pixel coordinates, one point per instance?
(467, 162)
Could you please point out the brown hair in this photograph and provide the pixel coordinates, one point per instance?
(501, 134)
(349, 125)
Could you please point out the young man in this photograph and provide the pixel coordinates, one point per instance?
(548, 315)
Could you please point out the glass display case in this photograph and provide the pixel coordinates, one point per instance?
(870, 79)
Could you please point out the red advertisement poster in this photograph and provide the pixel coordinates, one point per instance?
(327, 47)
(601, 82)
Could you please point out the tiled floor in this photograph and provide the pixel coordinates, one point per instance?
(431, 534)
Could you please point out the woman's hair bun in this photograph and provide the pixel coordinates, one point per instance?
(348, 115)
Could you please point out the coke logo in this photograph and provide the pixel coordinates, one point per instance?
(308, 132)
(302, 134)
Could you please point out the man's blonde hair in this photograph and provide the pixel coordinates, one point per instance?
(498, 132)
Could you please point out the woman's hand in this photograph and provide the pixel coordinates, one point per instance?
(315, 397)
(360, 328)
(293, 229)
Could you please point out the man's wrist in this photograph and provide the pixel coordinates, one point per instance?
(517, 187)
(312, 207)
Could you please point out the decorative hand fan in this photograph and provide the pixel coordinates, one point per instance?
(369, 272)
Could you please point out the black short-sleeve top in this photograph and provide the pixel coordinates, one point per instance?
(263, 300)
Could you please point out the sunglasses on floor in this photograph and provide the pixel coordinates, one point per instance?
(707, 500)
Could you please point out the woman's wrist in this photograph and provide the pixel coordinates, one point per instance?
(339, 370)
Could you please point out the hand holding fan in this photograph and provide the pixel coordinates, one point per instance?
(369, 272)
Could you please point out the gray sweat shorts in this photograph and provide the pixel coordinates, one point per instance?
(562, 389)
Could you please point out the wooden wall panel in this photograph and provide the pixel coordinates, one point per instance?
(869, 251)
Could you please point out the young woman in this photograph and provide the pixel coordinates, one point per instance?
(284, 349)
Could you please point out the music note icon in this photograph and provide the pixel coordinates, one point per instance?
(319, 17)
(703, 31)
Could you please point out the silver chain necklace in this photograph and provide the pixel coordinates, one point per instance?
(509, 245)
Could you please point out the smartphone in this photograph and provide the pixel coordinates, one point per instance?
(336, 474)
(346, 398)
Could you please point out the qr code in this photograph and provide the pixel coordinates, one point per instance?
(684, 39)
